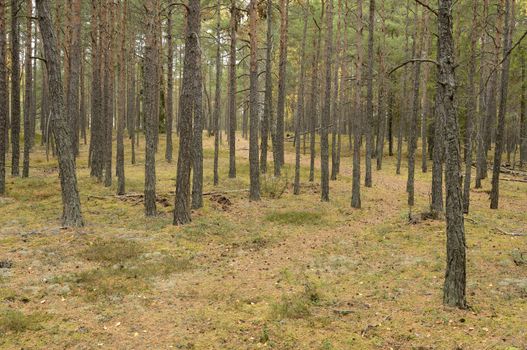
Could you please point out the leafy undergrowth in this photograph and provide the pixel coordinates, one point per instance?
(288, 272)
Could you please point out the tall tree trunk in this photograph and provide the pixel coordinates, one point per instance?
(424, 98)
(121, 117)
(268, 97)
(109, 77)
(369, 98)
(3, 97)
(278, 145)
(170, 88)
(472, 106)
(507, 28)
(232, 90)
(404, 93)
(326, 107)
(15, 87)
(150, 84)
(97, 123)
(313, 99)
(71, 215)
(28, 91)
(335, 103)
(382, 94)
(187, 107)
(523, 111)
(481, 161)
(254, 193)
(358, 117)
(197, 152)
(455, 278)
(217, 94)
(300, 102)
(412, 140)
(74, 63)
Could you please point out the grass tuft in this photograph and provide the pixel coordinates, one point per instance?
(112, 252)
(16, 322)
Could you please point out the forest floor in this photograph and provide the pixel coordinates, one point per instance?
(288, 272)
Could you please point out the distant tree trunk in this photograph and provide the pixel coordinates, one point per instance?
(335, 103)
(108, 91)
(278, 145)
(170, 88)
(121, 117)
(357, 132)
(507, 28)
(382, 94)
(404, 93)
(131, 110)
(150, 84)
(28, 91)
(187, 107)
(481, 161)
(300, 101)
(472, 107)
(254, 193)
(313, 102)
(217, 94)
(268, 97)
(232, 90)
(68, 179)
(197, 153)
(369, 98)
(326, 107)
(455, 278)
(83, 120)
(15, 87)
(523, 111)
(424, 98)
(97, 123)
(438, 153)
(412, 140)
(3, 97)
(74, 63)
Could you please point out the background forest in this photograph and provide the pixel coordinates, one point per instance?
(290, 174)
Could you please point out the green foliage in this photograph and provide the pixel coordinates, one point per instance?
(15, 321)
(112, 252)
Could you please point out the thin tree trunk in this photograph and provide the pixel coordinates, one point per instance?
(3, 97)
(15, 87)
(170, 88)
(217, 94)
(254, 193)
(28, 91)
(150, 84)
(358, 117)
(523, 111)
(369, 98)
(268, 97)
(232, 91)
(472, 107)
(96, 139)
(300, 102)
(121, 118)
(68, 179)
(507, 28)
(278, 145)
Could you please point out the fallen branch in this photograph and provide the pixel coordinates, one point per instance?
(513, 234)
(221, 192)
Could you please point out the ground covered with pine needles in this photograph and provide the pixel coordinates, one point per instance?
(288, 272)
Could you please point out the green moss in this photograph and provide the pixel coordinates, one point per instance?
(112, 252)
(294, 217)
(16, 322)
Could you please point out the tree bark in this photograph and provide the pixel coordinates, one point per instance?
(68, 179)
(268, 97)
(187, 107)
(455, 277)
(254, 193)
(217, 94)
(28, 90)
(15, 88)
(300, 102)
(150, 84)
(121, 117)
(170, 88)
(523, 112)
(369, 98)
(357, 132)
(3, 97)
(232, 91)
(495, 191)
(472, 107)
